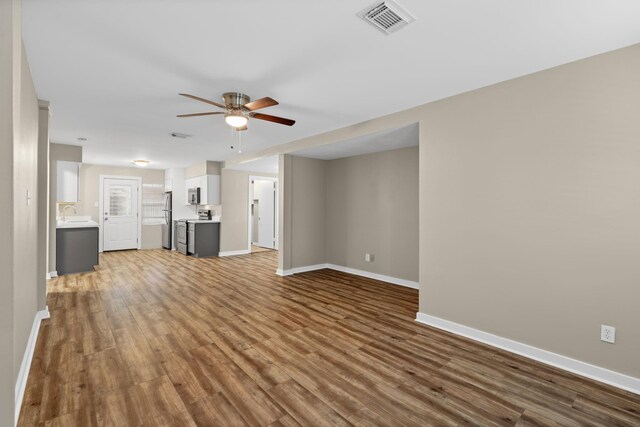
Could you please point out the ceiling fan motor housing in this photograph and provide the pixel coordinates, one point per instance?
(235, 99)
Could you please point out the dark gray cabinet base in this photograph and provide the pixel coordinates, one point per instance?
(76, 249)
(207, 240)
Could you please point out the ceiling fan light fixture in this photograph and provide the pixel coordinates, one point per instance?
(236, 120)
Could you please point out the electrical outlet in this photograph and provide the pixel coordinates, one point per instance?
(607, 334)
(368, 257)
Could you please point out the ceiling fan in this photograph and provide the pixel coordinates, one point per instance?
(239, 109)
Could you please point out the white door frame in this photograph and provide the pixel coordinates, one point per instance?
(250, 199)
(101, 210)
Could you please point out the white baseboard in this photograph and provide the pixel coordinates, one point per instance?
(52, 274)
(23, 374)
(234, 253)
(593, 372)
(376, 276)
(303, 269)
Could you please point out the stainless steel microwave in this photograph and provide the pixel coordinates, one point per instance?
(193, 196)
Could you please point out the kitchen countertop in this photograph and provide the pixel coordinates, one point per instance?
(204, 221)
(77, 222)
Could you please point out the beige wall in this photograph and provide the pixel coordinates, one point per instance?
(285, 185)
(90, 195)
(529, 206)
(208, 167)
(25, 220)
(9, 78)
(43, 201)
(19, 117)
(530, 209)
(213, 168)
(69, 153)
(308, 211)
(234, 197)
(372, 207)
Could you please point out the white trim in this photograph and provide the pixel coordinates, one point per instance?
(376, 276)
(23, 374)
(52, 274)
(368, 274)
(584, 369)
(303, 269)
(101, 209)
(234, 253)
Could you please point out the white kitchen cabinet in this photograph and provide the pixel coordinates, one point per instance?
(68, 180)
(213, 189)
(209, 188)
(168, 180)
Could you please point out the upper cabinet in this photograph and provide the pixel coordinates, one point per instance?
(68, 181)
(213, 189)
(209, 188)
(168, 179)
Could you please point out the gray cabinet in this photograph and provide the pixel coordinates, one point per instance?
(76, 249)
(203, 239)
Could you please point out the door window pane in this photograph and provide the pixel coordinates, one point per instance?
(120, 200)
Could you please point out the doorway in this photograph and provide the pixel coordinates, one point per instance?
(263, 213)
(120, 225)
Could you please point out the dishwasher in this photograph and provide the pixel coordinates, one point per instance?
(181, 236)
(191, 238)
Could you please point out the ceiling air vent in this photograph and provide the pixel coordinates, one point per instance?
(386, 16)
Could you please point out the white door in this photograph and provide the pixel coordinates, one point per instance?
(265, 193)
(120, 216)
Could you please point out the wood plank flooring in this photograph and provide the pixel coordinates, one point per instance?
(255, 248)
(154, 338)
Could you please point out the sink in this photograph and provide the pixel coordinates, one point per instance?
(76, 221)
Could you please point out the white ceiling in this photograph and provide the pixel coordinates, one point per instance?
(112, 69)
(392, 139)
(265, 165)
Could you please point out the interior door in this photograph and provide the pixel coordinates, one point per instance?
(120, 204)
(265, 192)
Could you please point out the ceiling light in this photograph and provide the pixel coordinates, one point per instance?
(235, 120)
(141, 163)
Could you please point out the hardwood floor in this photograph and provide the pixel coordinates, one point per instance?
(156, 338)
(256, 248)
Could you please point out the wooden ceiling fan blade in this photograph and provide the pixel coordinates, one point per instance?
(197, 98)
(201, 114)
(274, 119)
(260, 103)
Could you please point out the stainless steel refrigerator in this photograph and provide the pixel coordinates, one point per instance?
(166, 225)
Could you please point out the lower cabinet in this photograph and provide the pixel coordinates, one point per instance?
(76, 249)
(203, 239)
